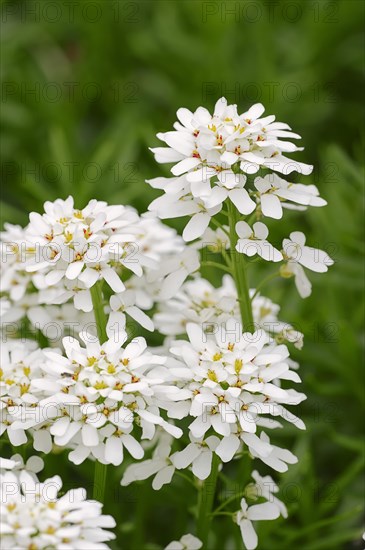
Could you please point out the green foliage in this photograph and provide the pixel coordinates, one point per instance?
(101, 91)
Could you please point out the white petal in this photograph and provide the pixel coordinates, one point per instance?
(185, 116)
(268, 252)
(243, 230)
(198, 427)
(89, 277)
(184, 458)
(42, 441)
(89, 435)
(82, 301)
(267, 510)
(271, 206)
(74, 269)
(133, 447)
(172, 283)
(196, 226)
(241, 199)
(228, 447)
(202, 465)
(114, 450)
(255, 111)
(163, 477)
(248, 534)
(303, 284)
(185, 165)
(113, 280)
(166, 155)
(260, 230)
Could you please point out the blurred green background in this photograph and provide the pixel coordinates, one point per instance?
(85, 88)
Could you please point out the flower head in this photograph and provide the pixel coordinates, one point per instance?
(34, 516)
(296, 255)
(212, 155)
(104, 398)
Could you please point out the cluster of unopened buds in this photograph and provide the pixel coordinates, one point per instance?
(81, 286)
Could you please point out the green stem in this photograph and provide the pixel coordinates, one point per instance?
(217, 224)
(217, 265)
(240, 271)
(100, 470)
(185, 477)
(205, 503)
(99, 314)
(264, 282)
(228, 501)
(226, 258)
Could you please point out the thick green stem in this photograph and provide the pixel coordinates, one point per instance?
(205, 503)
(239, 268)
(100, 470)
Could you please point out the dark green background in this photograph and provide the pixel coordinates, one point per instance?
(85, 90)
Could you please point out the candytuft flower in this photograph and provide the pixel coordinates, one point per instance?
(104, 397)
(296, 255)
(213, 156)
(34, 516)
(257, 512)
(187, 542)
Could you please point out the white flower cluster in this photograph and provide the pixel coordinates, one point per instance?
(213, 155)
(90, 400)
(228, 385)
(49, 267)
(21, 364)
(34, 516)
(198, 301)
(229, 382)
(223, 378)
(216, 158)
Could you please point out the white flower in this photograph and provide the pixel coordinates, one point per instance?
(100, 395)
(277, 458)
(227, 380)
(21, 364)
(213, 154)
(265, 314)
(174, 271)
(63, 291)
(266, 487)
(257, 512)
(296, 255)
(34, 516)
(160, 465)
(216, 240)
(198, 454)
(84, 244)
(200, 302)
(206, 143)
(275, 191)
(187, 542)
(182, 203)
(8, 464)
(14, 252)
(254, 241)
(122, 304)
(33, 465)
